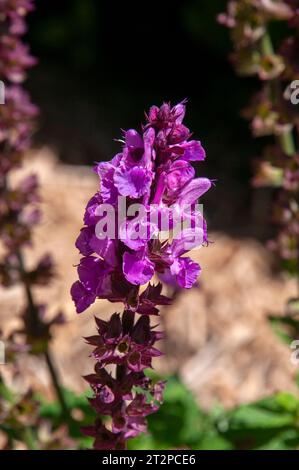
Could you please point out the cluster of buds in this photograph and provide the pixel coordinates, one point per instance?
(273, 111)
(122, 252)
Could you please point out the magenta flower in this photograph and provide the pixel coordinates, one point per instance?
(154, 179)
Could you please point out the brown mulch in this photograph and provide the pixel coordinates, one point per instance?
(218, 337)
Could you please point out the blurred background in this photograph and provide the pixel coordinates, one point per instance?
(101, 65)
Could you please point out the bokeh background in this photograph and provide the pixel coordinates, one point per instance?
(101, 65)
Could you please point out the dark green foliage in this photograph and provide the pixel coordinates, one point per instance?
(270, 423)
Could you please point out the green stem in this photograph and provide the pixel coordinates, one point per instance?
(29, 439)
(286, 140)
(57, 386)
(266, 44)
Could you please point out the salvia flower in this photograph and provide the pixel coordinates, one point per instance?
(140, 224)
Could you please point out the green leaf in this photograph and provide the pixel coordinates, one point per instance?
(6, 393)
(287, 327)
(293, 307)
(286, 440)
(146, 442)
(213, 441)
(179, 420)
(253, 417)
(75, 402)
(281, 402)
(259, 424)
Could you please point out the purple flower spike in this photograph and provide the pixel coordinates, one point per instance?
(154, 179)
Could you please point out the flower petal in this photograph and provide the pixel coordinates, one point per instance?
(133, 182)
(137, 270)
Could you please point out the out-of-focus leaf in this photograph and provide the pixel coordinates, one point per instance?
(253, 417)
(146, 442)
(262, 424)
(5, 392)
(179, 420)
(293, 307)
(77, 403)
(284, 327)
(286, 440)
(280, 402)
(213, 441)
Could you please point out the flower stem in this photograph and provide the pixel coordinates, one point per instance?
(37, 326)
(266, 44)
(287, 143)
(57, 386)
(159, 189)
(28, 437)
(286, 139)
